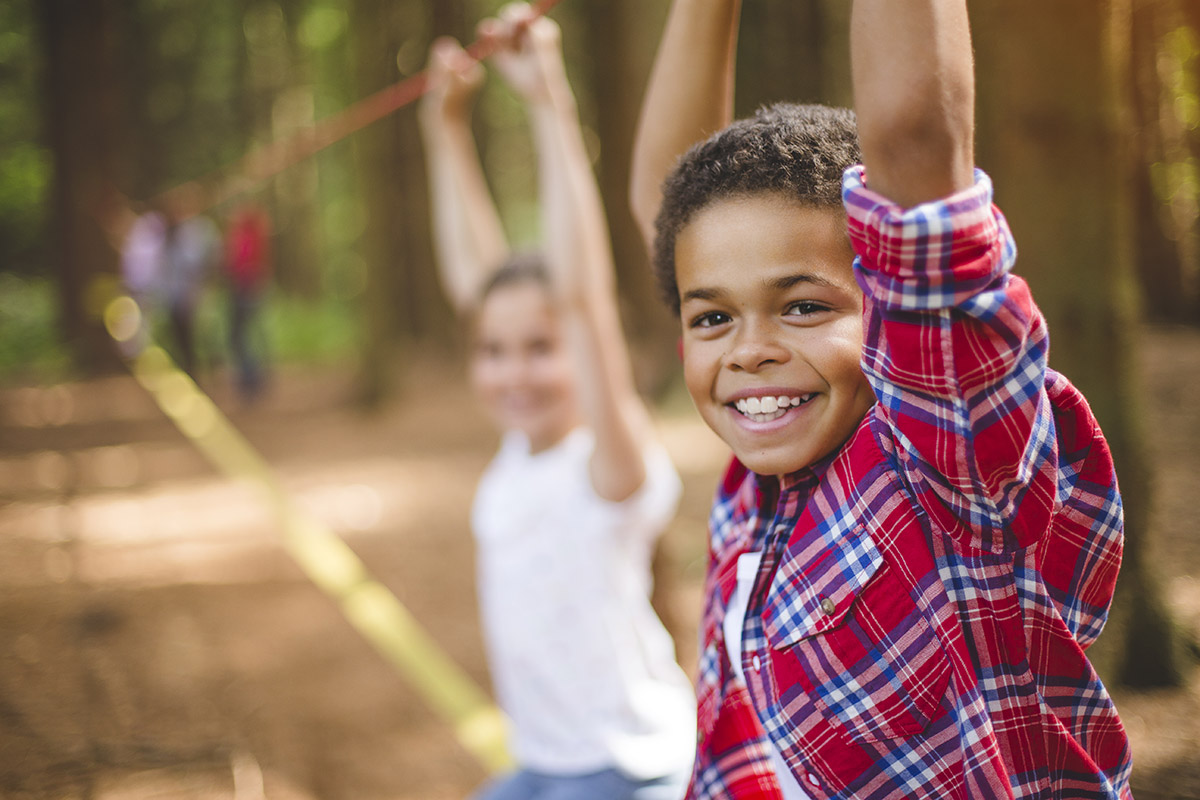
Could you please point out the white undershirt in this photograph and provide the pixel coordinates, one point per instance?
(735, 621)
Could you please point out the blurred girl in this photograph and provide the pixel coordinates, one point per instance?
(567, 514)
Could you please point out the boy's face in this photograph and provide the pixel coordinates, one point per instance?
(772, 329)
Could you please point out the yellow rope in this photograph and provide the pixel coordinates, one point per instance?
(366, 603)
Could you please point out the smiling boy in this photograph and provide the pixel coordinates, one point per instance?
(920, 530)
(779, 401)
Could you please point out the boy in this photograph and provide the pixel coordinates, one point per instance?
(920, 530)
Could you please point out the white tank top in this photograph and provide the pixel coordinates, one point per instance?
(579, 660)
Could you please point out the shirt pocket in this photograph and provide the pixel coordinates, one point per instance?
(844, 631)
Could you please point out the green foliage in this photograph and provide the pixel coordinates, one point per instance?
(1179, 53)
(323, 25)
(292, 330)
(24, 162)
(295, 331)
(29, 343)
(311, 331)
(1177, 181)
(507, 155)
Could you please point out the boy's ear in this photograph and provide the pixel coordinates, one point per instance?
(679, 348)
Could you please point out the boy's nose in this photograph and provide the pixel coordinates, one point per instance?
(754, 348)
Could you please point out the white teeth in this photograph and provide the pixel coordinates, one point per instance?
(765, 409)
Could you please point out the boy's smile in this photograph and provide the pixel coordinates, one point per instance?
(772, 329)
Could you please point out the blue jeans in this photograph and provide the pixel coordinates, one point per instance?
(604, 785)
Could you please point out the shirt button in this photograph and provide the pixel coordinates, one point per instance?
(827, 605)
(756, 663)
(813, 780)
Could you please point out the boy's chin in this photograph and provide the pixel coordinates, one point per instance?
(768, 463)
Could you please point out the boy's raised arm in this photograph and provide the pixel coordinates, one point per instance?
(468, 238)
(914, 94)
(689, 97)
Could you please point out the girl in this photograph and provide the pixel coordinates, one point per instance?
(566, 515)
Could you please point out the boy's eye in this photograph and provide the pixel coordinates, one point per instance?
(802, 308)
(709, 319)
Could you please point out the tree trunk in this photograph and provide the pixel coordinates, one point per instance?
(82, 127)
(610, 53)
(374, 165)
(1052, 118)
(403, 302)
(1190, 96)
(1165, 181)
(780, 54)
(146, 172)
(286, 105)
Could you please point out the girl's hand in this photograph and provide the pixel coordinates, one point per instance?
(527, 52)
(454, 79)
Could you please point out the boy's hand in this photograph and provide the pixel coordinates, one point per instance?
(527, 52)
(454, 78)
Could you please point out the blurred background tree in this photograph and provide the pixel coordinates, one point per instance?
(84, 134)
(1056, 132)
(1092, 136)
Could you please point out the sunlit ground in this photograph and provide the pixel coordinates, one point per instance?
(163, 644)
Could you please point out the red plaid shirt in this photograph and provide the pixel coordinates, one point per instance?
(918, 624)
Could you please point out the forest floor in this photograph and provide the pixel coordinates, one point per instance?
(157, 641)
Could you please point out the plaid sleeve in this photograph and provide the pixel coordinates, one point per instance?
(955, 350)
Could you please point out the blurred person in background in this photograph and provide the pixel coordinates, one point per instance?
(190, 252)
(247, 270)
(142, 252)
(567, 514)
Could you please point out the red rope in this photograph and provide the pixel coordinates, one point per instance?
(275, 157)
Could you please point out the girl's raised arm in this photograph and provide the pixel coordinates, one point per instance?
(468, 238)
(577, 248)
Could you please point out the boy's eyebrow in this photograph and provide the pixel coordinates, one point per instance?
(700, 294)
(788, 281)
(781, 283)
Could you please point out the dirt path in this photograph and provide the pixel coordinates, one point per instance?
(159, 642)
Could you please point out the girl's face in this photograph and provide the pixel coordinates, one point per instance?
(520, 368)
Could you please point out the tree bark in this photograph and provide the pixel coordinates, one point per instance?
(780, 54)
(83, 130)
(281, 104)
(610, 53)
(403, 302)
(1054, 114)
(1168, 247)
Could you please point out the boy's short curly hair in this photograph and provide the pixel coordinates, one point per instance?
(798, 151)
